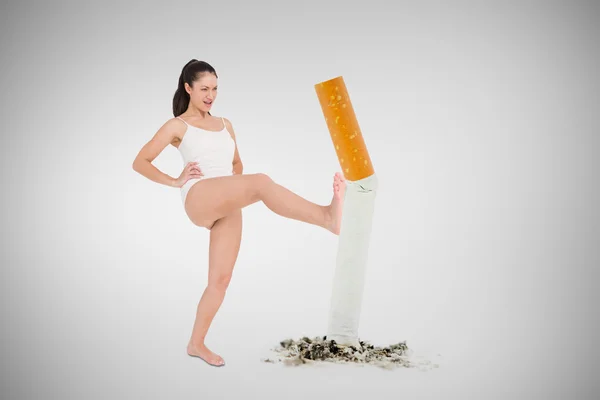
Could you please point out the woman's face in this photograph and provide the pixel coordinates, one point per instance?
(203, 92)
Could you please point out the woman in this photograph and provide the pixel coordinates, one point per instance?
(214, 191)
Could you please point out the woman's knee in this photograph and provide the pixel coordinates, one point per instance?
(260, 183)
(263, 180)
(220, 282)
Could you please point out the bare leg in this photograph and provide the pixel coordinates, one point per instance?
(212, 199)
(225, 238)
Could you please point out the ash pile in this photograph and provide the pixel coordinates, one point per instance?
(319, 349)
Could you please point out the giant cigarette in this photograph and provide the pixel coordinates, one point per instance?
(357, 215)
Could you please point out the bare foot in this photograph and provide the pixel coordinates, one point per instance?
(205, 354)
(337, 203)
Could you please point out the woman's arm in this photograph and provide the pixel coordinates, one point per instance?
(238, 167)
(161, 139)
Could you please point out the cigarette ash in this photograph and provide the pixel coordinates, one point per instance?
(319, 349)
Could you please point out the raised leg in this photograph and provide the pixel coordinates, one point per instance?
(225, 238)
(212, 199)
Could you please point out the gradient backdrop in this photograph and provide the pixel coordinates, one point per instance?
(482, 121)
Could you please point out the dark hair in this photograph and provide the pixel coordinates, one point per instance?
(190, 72)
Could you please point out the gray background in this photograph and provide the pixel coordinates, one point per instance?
(481, 119)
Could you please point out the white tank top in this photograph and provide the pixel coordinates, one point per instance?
(213, 151)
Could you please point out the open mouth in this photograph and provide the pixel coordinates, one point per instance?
(208, 103)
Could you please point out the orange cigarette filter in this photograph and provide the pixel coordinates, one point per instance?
(343, 127)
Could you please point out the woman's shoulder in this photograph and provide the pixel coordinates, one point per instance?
(227, 122)
(175, 121)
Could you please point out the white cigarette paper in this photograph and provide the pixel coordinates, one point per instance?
(351, 263)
